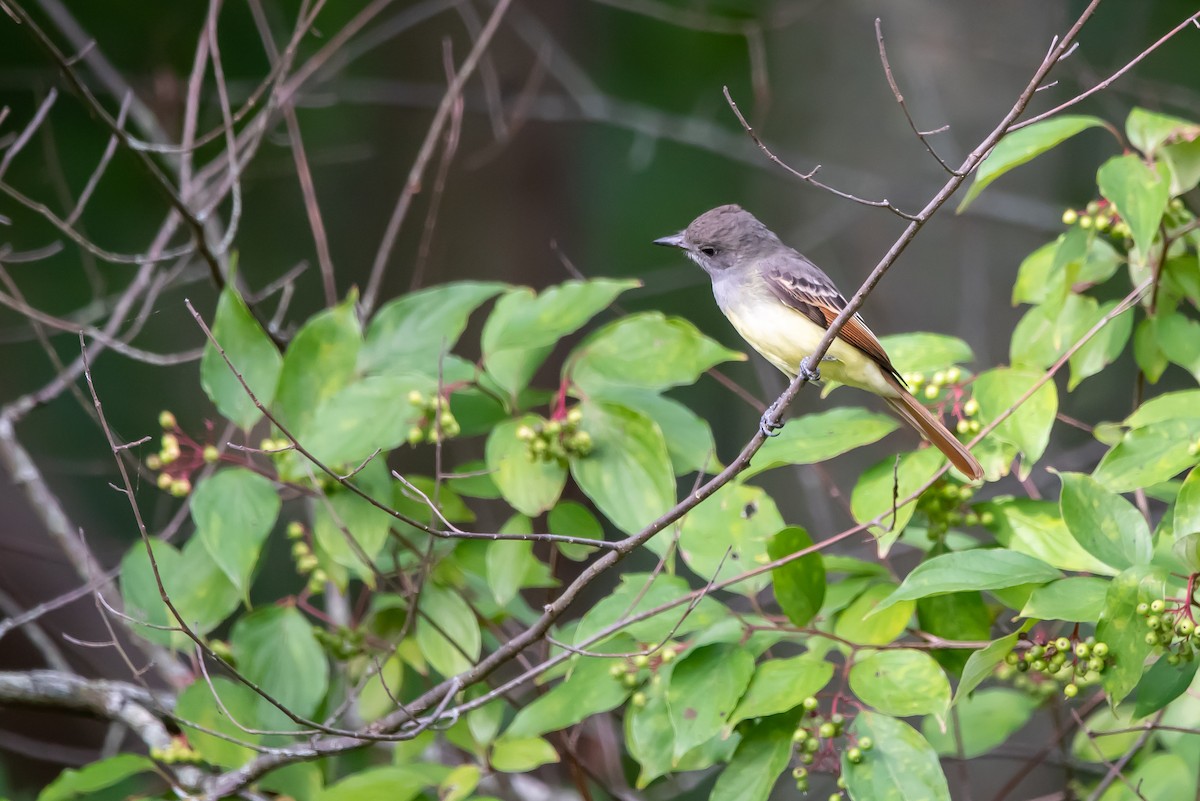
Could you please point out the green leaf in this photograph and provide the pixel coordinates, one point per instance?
(447, 632)
(509, 561)
(1036, 277)
(1149, 455)
(275, 648)
(901, 767)
(1122, 628)
(1187, 505)
(252, 354)
(983, 721)
(573, 519)
(641, 592)
(1162, 684)
(901, 682)
(780, 685)
(1161, 775)
(649, 737)
(237, 706)
(200, 591)
(733, 530)
(1105, 524)
(399, 783)
(800, 584)
(705, 687)
(556, 312)
(342, 513)
(761, 756)
(883, 483)
(521, 755)
(588, 690)
(1023, 146)
(234, 510)
(1149, 130)
(978, 569)
(1029, 426)
(961, 616)
(982, 664)
(411, 333)
(1139, 193)
(368, 415)
(688, 436)
(923, 352)
(1187, 550)
(859, 623)
(819, 437)
(1146, 350)
(531, 486)
(628, 474)
(1078, 599)
(1179, 340)
(647, 350)
(1093, 743)
(1102, 349)
(1036, 528)
(1182, 160)
(1166, 407)
(82, 782)
(1045, 333)
(317, 364)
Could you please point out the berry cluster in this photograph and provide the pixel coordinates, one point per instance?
(945, 504)
(342, 643)
(1172, 629)
(948, 386)
(178, 751)
(817, 740)
(633, 671)
(1074, 664)
(1099, 215)
(436, 424)
(307, 563)
(178, 457)
(556, 439)
(1102, 217)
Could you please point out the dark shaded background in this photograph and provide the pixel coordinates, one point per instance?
(624, 137)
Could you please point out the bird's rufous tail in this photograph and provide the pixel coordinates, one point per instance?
(920, 418)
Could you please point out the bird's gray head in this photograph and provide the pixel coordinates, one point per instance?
(722, 238)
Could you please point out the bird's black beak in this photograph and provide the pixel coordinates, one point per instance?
(672, 241)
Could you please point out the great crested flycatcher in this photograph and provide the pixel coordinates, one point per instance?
(782, 304)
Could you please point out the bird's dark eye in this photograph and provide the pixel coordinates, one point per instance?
(708, 250)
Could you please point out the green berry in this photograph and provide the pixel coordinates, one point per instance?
(1100, 649)
(416, 398)
(1083, 650)
(1062, 644)
(811, 745)
(865, 743)
(669, 654)
(1070, 217)
(416, 435)
(167, 420)
(799, 736)
(1011, 658)
(1071, 690)
(180, 487)
(953, 375)
(931, 391)
(638, 699)
(827, 731)
(1151, 638)
(809, 704)
(1154, 622)
(854, 755)
(575, 416)
(1096, 664)
(616, 670)
(1158, 605)
(1085, 221)
(1142, 609)
(640, 661)
(1185, 627)
(799, 773)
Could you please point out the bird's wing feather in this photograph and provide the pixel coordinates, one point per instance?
(813, 294)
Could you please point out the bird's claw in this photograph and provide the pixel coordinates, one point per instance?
(769, 424)
(809, 373)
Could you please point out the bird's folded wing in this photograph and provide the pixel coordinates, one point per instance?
(818, 299)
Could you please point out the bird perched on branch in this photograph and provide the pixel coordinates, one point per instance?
(782, 304)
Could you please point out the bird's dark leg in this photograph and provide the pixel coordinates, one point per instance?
(809, 373)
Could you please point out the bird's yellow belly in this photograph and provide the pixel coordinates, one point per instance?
(784, 337)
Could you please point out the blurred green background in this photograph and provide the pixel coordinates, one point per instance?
(591, 129)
